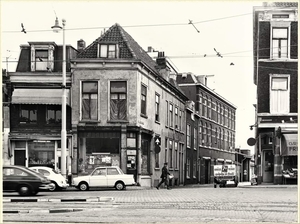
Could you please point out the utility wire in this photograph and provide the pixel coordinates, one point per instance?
(132, 26)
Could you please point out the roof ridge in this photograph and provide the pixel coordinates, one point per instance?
(123, 32)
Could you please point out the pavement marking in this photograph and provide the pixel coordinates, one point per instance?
(44, 211)
(97, 199)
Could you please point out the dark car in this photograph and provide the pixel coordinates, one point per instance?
(23, 180)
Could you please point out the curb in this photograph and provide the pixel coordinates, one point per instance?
(97, 199)
(44, 211)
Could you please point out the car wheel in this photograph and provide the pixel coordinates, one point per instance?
(120, 186)
(54, 188)
(24, 190)
(83, 186)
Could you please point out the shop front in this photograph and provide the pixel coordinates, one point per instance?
(289, 152)
(38, 152)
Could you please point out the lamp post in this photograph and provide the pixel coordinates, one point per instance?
(56, 28)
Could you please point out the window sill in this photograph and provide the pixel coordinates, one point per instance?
(117, 121)
(157, 122)
(156, 168)
(144, 116)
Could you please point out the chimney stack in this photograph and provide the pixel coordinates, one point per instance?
(80, 45)
(162, 67)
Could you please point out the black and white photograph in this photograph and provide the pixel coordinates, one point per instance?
(149, 111)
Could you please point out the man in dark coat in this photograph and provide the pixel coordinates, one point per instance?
(164, 176)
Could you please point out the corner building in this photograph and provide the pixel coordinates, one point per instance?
(121, 101)
(275, 46)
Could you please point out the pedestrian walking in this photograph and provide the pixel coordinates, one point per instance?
(164, 176)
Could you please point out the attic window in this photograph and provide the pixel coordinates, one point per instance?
(108, 51)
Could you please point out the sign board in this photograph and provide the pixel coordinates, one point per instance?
(224, 170)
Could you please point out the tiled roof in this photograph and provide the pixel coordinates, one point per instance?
(282, 4)
(128, 47)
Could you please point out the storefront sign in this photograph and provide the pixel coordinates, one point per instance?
(290, 145)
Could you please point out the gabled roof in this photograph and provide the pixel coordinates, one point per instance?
(128, 47)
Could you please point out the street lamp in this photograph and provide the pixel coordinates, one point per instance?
(56, 28)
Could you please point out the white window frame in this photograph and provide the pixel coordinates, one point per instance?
(280, 24)
(286, 109)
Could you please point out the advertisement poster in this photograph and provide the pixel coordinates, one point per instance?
(224, 170)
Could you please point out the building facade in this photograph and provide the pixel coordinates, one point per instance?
(32, 111)
(275, 46)
(122, 101)
(216, 126)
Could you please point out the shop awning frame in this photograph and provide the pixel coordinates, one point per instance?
(289, 145)
(39, 96)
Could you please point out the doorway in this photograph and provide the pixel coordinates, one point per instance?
(20, 156)
(268, 166)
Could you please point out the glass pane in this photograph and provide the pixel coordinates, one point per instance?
(279, 83)
(103, 51)
(283, 49)
(118, 87)
(280, 33)
(275, 48)
(41, 53)
(90, 87)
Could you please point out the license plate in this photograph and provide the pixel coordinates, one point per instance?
(230, 182)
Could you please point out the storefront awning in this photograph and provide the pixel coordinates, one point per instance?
(39, 96)
(289, 145)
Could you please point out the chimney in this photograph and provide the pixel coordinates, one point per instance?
(80, 45)
(162, 67)
(150, 49)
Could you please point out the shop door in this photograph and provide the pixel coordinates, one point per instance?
(20, 157)
(268, 166)
(131, 166)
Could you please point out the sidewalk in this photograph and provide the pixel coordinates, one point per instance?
(240, 185)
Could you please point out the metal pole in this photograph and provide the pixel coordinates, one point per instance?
(63, 109)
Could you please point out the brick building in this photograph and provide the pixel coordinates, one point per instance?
(275, 46)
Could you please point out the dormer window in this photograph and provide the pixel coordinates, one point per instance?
(108, 50)
(41, 60)
(42, 57)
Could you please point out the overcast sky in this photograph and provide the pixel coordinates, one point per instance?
(165, 25)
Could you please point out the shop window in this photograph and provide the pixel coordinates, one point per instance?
(118, 100)
(41, 153)
(53, 115)
(102, 145)
(89, 100)
(143, 100)
(28, 114)
(145, 167)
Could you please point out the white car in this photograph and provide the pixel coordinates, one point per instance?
(111, 176)
(59, 182)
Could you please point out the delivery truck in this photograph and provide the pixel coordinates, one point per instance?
(225, 176)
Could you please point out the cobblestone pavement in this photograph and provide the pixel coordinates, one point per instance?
(190, 204)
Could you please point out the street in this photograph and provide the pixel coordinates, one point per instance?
(135, 205)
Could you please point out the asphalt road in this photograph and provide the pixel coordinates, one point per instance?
(181, 205)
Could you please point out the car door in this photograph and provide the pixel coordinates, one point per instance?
(98, 178)
(113, 175)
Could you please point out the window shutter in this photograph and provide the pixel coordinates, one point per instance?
(294, 40)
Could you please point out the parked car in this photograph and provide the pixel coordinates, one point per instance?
(23, 180)
(111, 176)
(59, 182)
